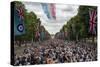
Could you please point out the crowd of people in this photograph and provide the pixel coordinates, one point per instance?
(57, 51)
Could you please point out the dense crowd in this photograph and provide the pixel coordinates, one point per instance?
(57, 51)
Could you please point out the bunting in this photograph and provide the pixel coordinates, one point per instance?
(49, 10)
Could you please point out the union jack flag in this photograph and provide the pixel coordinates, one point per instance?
(92, 14)
(20, 13)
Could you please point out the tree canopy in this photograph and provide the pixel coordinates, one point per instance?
(31, 22)
(78, 26)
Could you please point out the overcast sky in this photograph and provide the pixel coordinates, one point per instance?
(63, 14)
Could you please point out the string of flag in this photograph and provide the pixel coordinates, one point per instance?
(49, 10)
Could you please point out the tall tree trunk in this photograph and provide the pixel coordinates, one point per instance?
(76, 38)
(32, 38)
(92, 38)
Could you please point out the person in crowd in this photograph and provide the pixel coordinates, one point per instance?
(57, 51)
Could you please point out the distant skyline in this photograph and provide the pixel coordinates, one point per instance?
(63, 14)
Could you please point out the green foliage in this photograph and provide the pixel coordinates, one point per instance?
(32, 25)
(78, 26)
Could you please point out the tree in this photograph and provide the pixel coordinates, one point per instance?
(78, 26)
(31, 23)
